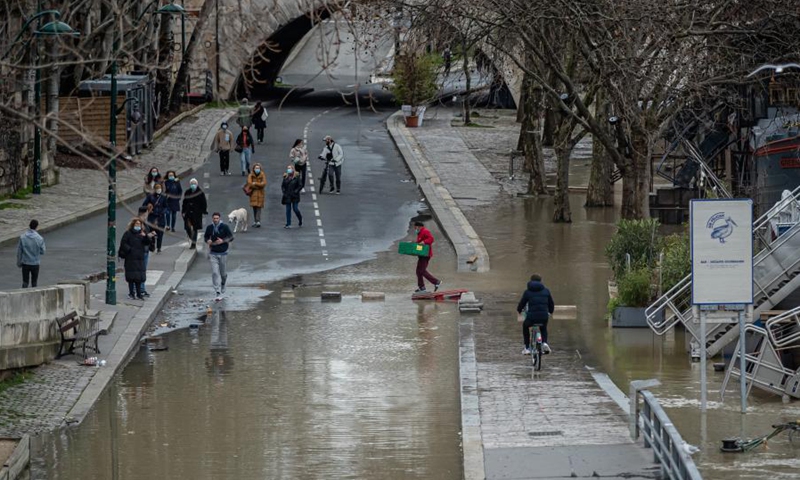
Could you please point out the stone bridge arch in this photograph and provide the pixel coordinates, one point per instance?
(245, 28)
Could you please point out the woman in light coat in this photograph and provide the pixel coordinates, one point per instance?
(257, 184)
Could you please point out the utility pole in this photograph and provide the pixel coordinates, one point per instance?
(111, 248)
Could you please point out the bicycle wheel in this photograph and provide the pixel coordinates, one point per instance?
(537, 357)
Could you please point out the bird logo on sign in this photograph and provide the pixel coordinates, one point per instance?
(721, 226)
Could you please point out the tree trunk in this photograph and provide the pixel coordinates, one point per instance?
(532, 146)
(549, 126)
(600, 192)
(561, 210)
(53, 84)
(465, 55)
(636, 181)
(183, 72)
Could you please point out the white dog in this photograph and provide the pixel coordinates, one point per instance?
(238, 218)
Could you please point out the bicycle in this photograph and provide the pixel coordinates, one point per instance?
(536, 346)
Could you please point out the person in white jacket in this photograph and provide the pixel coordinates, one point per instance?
(333, 156)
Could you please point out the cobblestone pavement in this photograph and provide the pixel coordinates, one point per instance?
(42, 401)
(80, 190)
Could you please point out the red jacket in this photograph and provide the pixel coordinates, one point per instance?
(424, 236)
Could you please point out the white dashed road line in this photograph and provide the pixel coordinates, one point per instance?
(309, 175)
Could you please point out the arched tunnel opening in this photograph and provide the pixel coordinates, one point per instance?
(257, 79)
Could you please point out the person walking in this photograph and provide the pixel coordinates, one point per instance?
(151, 233)
(539, 301)
(194, 208)
(290, 188)
(299, 157)
(257, 183)
(425, 237)
(244, 116)
(29, 250)
(131, 249)
(246, 149)
(223, 144)
(151, 179)
(333, 156)
(218, 236)
(156, 204)
(174, 192)
(447, 56)
(259, 119)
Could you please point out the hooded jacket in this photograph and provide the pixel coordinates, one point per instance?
(30, 247)
(425, 237)
(538, 300)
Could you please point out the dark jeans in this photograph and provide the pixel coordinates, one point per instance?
(526, 335)
(30, 272)
(171, 217)
(224, 160)
(330, 172)
(303, 169)
(142, 287)
(135, 289)
(260, 134)
(422, 272)
(293, 206)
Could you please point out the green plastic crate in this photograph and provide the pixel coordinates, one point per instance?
(411, 248)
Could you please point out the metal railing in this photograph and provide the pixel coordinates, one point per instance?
(716, 184)
(784, 329)
(669, 448)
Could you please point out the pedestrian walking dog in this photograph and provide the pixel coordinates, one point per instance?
(238, 218)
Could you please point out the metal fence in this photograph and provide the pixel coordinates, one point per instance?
(650, 420)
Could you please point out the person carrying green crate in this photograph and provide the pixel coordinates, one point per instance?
(424, 237)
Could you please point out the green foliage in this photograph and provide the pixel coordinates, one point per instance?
(7, 205)
(14, 380)
(414, 79)
(677, 261)
(613, 303)
(635, 287)
(640, 239)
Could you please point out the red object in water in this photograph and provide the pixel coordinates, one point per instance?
(440, 295)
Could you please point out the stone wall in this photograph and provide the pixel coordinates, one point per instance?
(28, 330)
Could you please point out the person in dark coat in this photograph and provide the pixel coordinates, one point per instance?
(291, 186)
(131, 249)
(156, 204)
(173, 191)
(259, 122)
(194, 209)
(540, 306)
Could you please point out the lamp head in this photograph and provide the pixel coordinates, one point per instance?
(56, 28)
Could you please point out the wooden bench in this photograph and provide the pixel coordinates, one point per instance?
(78, 331)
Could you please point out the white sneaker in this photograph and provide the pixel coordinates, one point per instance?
(546, 348)
(526, 351)
(223, 289)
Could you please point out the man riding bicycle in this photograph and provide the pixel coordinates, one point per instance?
(540, 306)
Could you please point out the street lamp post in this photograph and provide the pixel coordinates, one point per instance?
(53, 28)
(111, 231)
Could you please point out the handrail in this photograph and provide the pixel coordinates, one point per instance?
(669, 448)
(779, 324)
(716, 182)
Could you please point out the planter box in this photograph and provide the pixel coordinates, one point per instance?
(412, 121)
(630, 317)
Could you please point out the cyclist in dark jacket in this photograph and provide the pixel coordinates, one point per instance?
(540, 306)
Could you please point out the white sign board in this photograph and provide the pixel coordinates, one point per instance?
(722, 251)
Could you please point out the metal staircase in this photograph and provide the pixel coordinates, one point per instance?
(776, 274)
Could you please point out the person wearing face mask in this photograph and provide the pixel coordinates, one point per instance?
(173, 191)
(218, 236)
(299, 157)
(257, 183)
(131, 249)
(223, 144)
(333, 156)
(194, 208)
(156, 204)
(425, 237)
(246, 149)
(151, 247)
(151, 179)
(290, 188)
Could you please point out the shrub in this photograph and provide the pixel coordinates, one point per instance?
(414, 79)
(640, 239)
(677, 261)
(635, 287)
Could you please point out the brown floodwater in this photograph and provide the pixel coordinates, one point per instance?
(370, 390)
